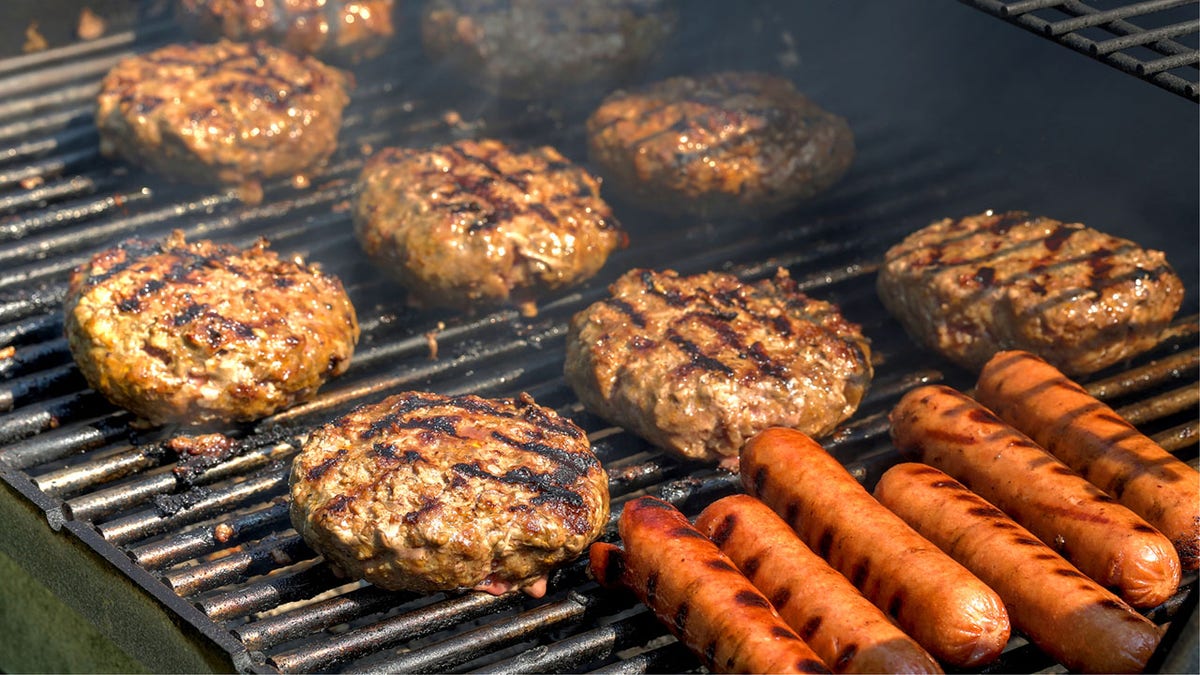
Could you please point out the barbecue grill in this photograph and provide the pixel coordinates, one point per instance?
(114, 560)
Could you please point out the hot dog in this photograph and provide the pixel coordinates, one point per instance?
(1072, 618)
(1105, 540)
(1095, 441)
(696, 591)
(937, 601)
(844, 628)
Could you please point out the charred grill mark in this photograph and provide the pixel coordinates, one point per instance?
(986, 512)
(572, 465)
(750, 567)
(858, 574)
(710, 653)
(338, 504)
(720, 565)
(1007, 221)
(671, 295)
(781, 598)
(652, 589)
(748, 598)
(321, 469)
(548, 491)
(1070, 573)
(783, 633)
(687, 532)
(651, 503)
(1055, 240)
(719, 323)
(391, 453)
(724, 529)
(810, 627)
(189, 314)
(846, 656)
(427, 505)
(896, 604)
(697, 358)
(810, 666)
(681, 616)
(614, 568)
(502, 208)
(985, 276)
(546, 422)
(628, 310)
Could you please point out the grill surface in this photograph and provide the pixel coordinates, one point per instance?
(1150, 48)
(221, 554)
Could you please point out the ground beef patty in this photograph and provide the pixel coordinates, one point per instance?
(697, 365)
(475, 222)
(728, 144)
(201, 332)
(226, 113)
(1082, 300)
(424, 492)
(346, 31)
(537, 48)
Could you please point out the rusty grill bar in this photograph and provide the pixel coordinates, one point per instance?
(219, 550)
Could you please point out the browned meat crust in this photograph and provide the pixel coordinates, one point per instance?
(697, 365)
(425, 492)
(227, 113)
(346, 31)
(1082, 300)
(728, 144)
(537, 48)
(200, 332)
(475, 222)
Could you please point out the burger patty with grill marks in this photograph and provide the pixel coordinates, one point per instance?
(201, 332)
(723, 145)
(425, 492)
(340, 30)
(226, 114)
(697, 365)
(476, 222)
(541, 48)
(1081, 299)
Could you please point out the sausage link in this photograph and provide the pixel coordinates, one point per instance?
(937, 601)
(1070, 617)
(843, 627)
(1099, 444)
(1105, 540)
(696, 592)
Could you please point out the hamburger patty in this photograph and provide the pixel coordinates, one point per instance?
(723, 145)
(340, 30)
(201, 332)
(1082, 300)
(697, 365)
(424, 492)
(226, 113)
(536, 48)
(475, 222)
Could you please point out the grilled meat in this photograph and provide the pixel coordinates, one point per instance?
(345, 31)
(538, 48)
(226, 113)
(724, 145)
(697, 365)
(475, 222)
(425, 492)
(200, 332)
(197, 454)
(1082, 300)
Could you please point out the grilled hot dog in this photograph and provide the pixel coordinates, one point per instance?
(1071, 617)
(844, 628)
(937, 601)
(1095, 441)
(696, 591)
(1105, 540)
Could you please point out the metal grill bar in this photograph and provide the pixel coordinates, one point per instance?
(202, 540)
(472, 644)
(319, 616)
(273, 591)
(251, 560)
(392, 631)
(1110, 51)
(567, 655)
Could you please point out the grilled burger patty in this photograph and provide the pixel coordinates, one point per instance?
(226, 113)
(697, 365)
(201, 332)
(1082, 300)
(425, 492)
(340, 30)
(536, 48)
(475, 222)
(727, 144)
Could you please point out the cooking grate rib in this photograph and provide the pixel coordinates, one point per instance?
(1149, 52)
(219, 550)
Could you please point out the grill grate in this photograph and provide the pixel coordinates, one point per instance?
(219, 551)
(1150, 49)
